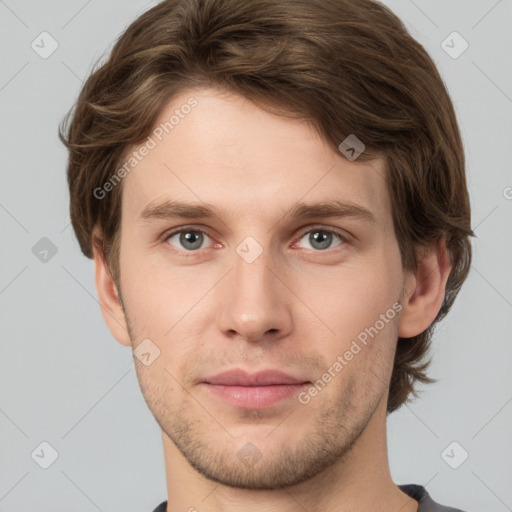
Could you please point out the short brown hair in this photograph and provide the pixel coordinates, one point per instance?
(345, 66)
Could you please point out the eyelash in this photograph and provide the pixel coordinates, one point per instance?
(187, 254)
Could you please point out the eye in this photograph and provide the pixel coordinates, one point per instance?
(321, 239)
(191, 240)
(188, 239)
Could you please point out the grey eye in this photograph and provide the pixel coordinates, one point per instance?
(321, 239)
(188, 239)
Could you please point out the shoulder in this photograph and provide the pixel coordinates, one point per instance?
(427, 504)
(161, 508)
(418, 492)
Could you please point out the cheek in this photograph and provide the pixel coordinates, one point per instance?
(147, 294)
(350, 297)
(166, 303)
(351, 304)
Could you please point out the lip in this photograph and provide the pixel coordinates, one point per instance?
(259, 390)
(240, 377)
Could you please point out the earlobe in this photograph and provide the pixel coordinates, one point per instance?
(425, 290)
(109, 299)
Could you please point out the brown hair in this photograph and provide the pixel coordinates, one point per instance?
(345, 66)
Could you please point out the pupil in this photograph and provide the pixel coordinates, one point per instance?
(322, 238)
(192, 238)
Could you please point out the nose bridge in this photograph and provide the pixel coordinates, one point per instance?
(255, 302)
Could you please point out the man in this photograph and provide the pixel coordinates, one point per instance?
(275, 199)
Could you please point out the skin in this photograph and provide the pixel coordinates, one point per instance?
(295, 308)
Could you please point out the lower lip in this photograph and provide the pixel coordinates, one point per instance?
(255, 397)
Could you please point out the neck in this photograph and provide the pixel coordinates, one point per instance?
(360, 481)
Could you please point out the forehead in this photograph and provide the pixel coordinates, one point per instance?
(215, 147)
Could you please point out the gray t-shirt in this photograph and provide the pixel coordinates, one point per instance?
(427, 504)
(418, 492)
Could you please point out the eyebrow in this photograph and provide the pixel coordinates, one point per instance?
(169, 210)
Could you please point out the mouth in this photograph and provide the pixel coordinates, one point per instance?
(259, 390)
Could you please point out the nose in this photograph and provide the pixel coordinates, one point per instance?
(255, 301)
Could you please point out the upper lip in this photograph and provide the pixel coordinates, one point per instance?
(240, 377)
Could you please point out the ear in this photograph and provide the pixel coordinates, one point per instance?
(109, 298)
(425, 290)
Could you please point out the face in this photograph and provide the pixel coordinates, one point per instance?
(250, 274)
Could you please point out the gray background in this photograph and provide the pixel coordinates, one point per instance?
(66, 381)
